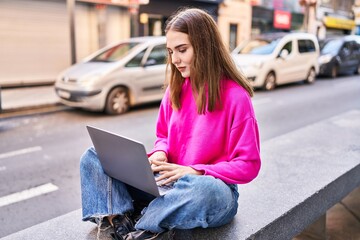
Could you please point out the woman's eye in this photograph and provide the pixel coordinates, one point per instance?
(182, 50)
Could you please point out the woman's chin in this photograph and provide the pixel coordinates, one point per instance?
(185, 75)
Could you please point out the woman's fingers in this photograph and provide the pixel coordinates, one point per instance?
(167, 177)
(159, 165)
(170, 179)
(172, 172)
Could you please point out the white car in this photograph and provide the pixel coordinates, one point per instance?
(275, 59)
(116, 77)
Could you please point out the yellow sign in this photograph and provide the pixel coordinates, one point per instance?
(339, 23)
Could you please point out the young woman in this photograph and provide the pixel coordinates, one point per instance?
(207, 142)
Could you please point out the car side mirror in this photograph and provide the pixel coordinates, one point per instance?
(150, 62)
(284, 53)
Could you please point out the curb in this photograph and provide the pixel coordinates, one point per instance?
(32, 110)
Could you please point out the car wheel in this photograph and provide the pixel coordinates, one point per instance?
(270, 82)
(311, 76)
(117, 101)
(334, 71)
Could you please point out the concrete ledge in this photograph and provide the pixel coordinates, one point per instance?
(32, 110)
(304, 173)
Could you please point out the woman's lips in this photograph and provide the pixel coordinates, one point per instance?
(181, 69)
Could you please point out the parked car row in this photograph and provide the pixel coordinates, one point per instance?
(132, 72)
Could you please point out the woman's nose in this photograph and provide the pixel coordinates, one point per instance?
(174, 59)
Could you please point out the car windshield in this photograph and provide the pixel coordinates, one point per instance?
(331, 47)
(115, 53)
(259, 47)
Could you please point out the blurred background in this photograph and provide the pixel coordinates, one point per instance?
(41, 38)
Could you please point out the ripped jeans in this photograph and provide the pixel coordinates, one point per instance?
(195, 201)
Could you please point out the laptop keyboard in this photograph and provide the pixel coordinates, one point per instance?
(167, 186)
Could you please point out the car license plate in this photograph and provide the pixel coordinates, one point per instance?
(63, 94)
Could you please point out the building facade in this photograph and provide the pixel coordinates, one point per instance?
(276, 15)
(42, 38)
(335, 18)
(35, 36)
(233, 17)
(234, 21)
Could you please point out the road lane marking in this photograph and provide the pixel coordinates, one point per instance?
(27, 194)
(19, 152)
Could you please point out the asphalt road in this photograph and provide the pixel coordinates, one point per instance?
(39, 154)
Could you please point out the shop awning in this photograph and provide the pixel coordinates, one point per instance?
(339, 23)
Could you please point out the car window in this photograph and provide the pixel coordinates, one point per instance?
(306, 45)
(331, 47)
(136, 61)
(115, 53)
(259, 46)
(158, 55)
(288, 46)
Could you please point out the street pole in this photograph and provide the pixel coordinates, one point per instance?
(134, 17)
(71, 13)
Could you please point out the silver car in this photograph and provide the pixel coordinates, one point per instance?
(116, 77)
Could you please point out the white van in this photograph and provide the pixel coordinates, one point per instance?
(278, 58)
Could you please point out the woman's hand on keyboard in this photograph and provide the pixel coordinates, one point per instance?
(171, 172)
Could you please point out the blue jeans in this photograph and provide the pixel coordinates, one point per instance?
(195, 201)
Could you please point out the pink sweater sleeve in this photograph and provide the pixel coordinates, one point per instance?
(161, 143)
(244, 162)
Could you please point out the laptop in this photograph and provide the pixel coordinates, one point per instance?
(126, 160)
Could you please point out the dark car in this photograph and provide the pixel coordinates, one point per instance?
(340, 56)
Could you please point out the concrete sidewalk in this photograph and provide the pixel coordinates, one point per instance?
(22, 101)
(14, 99)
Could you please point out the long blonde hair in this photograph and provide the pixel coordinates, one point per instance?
(211, 61)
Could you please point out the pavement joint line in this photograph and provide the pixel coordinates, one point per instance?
(27, 194)
(20, 152)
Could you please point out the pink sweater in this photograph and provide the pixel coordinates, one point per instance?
(223, 143)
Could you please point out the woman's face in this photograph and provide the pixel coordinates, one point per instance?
(180, 51)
